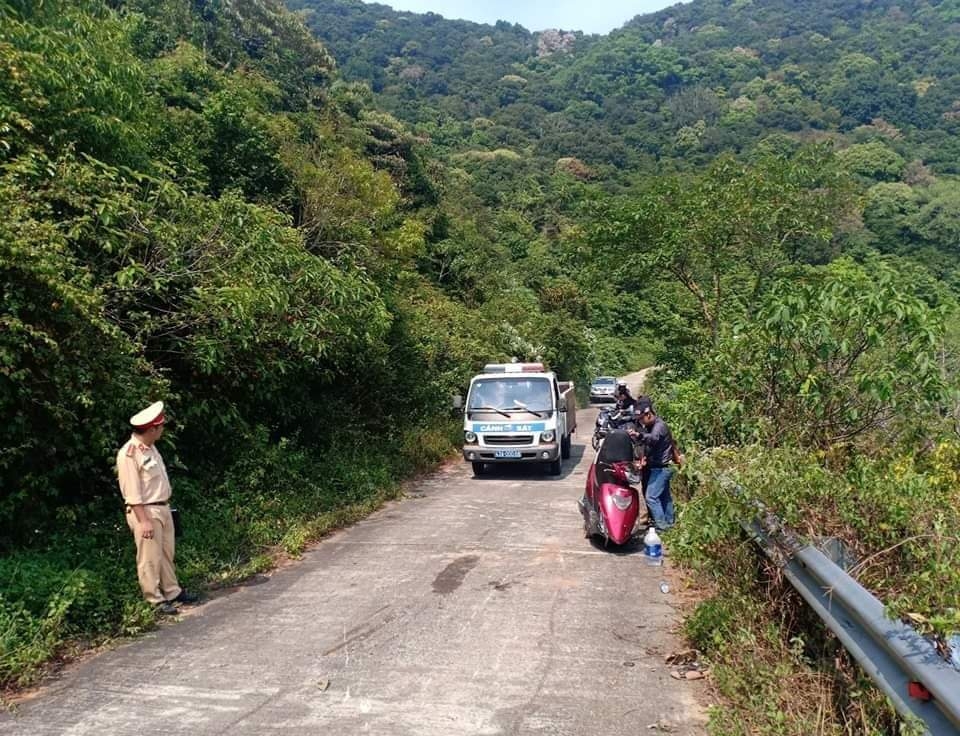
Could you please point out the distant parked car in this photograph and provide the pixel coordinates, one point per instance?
(602, 388)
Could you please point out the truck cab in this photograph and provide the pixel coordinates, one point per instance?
(518, 413)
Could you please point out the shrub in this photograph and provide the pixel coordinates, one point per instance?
(770, 654)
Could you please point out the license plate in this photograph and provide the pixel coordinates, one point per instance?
(506, 453)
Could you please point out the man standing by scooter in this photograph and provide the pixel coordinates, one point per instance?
(658, 452)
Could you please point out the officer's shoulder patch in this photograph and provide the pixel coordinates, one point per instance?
(131, 449)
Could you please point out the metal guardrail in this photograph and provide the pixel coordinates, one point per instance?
(892, 653)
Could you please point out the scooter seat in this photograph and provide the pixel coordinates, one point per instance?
(617, 448)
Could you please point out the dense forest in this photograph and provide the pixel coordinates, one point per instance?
(671, 91)
(306, 229)
(196, 210)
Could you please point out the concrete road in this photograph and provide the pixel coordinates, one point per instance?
(473, 606)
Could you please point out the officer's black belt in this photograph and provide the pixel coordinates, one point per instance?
(152, 503)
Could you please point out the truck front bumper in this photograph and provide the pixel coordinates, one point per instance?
(539, 454)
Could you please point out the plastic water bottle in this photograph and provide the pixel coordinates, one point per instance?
(653, 547)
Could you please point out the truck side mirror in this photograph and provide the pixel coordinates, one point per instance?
(456, 401)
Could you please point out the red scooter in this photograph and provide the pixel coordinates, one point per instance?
(611, 504)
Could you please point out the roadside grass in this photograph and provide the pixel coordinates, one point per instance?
(779, 670)
(78, 589)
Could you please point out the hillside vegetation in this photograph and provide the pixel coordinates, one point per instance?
(305, 243)
(769, 194)
(673, 90)
(194, 211)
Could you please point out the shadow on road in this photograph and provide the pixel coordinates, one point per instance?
(633, 547)
(533, 471)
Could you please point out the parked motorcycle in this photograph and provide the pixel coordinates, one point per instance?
(609, 419)
(611, 503)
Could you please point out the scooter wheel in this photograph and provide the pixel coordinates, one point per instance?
(595, 442)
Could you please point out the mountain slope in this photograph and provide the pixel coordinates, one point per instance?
(674, 87)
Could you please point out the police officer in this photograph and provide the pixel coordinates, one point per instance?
(146, 492)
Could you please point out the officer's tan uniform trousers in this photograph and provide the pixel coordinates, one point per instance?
(155, 570)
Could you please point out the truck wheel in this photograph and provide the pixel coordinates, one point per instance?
(556, 467)
(565, 443)
(477, 469)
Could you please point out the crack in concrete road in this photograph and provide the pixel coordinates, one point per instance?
(550, 660)
(361, 631)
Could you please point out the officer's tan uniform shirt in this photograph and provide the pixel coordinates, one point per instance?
(142, 474)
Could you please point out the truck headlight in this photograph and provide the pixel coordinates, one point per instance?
(548, 436)
(469, 437)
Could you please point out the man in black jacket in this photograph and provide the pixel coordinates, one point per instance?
(659, 451)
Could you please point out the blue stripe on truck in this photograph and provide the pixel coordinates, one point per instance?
(482, 428)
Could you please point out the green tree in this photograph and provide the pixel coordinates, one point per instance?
(833, 355)
(723, 235)
(937, 218)
(873, 160)
(887, 210)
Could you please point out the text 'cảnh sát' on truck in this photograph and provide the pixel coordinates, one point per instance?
(518, 413)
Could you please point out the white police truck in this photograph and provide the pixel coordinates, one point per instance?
(518, 413)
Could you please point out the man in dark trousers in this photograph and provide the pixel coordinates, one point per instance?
(658, 451)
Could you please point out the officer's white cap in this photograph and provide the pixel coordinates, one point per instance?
(149, 417)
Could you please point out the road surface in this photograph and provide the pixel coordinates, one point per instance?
(472, 606)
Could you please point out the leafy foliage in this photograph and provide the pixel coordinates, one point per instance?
(194, 212)
(198, 205)
(671, 89)
(831, 356)
(721, 237)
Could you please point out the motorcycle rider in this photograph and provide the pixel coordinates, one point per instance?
(617, 416)
(625, 400)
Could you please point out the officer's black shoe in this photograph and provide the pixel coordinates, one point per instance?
(185, 597)
(166, 608)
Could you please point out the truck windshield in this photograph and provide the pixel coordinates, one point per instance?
(506, 394)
